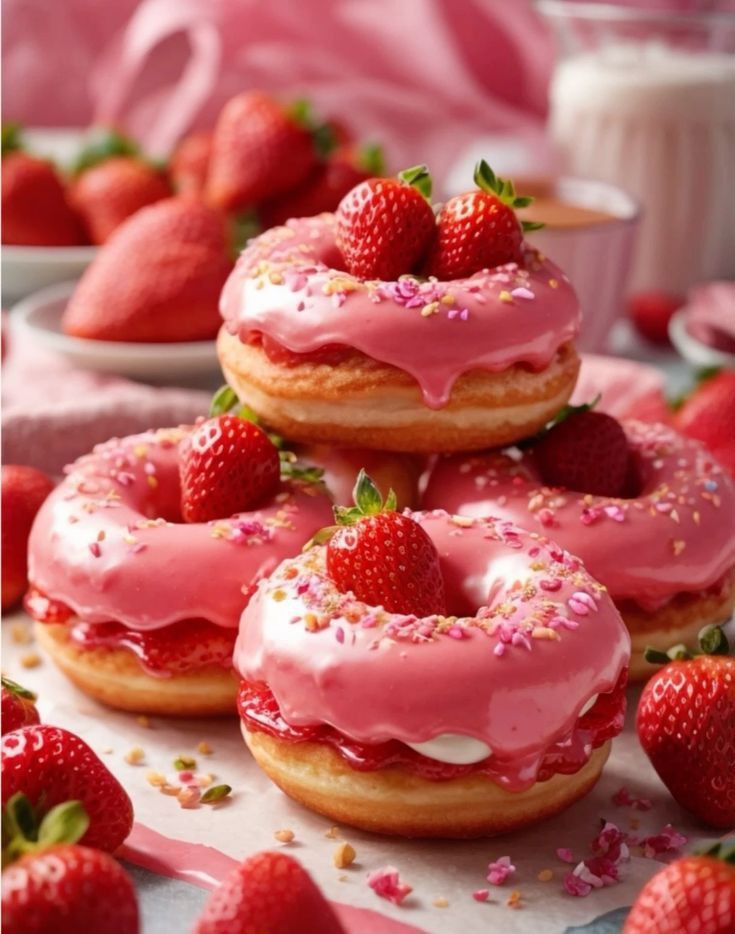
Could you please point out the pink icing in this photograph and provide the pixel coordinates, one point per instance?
(535, 638)
(110, 545)
(677, 535)
(285, 285)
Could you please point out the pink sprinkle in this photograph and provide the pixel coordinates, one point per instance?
(565, 854)
(589, 515)
(519, 638)
(481, 895)
(499, 649)
(551, 585)
(522, 292)
(581, 603)
(611, 842)
(614, 512)
(457, 632)
(546, 517)
(623, 798)
(464, 314)
(339, 634)
(186, 776)
(387, 884)
(573, 885)
(500, 870)
(94, 547)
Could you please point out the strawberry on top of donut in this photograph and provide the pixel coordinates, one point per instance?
(228, 465)
(585, 451)
(479, 229)
(385, 225)
(384, 558)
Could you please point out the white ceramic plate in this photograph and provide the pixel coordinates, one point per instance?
(190, 363)
(694, 351)
(26, 269)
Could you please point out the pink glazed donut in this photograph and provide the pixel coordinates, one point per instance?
(412, 365)
(666, 556)
(138, 608)
(465, 725)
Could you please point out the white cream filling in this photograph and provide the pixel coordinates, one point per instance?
(455, 749)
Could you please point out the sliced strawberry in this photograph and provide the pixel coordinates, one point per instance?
(23, 491)
(158, 279)
(268, 892)
(50, 765)
(479, 229)
(385, 225)
(228, 465)
(108, 193)
(587, 452)
(686, 715)
(696, 893)
(18, 707)
(259, 151)
(385, 558)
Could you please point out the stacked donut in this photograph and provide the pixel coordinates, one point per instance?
(456, 670)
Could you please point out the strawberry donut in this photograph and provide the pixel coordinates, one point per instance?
(486, 718)
(664, 546)
(138, 607)
(413, 364)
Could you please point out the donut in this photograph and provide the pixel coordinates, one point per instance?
(138, 608)
(445, 726)
(414, 365)
(666, 555)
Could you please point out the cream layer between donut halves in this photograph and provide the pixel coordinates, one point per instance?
(110, 545)
(288, 285)
(534, 641)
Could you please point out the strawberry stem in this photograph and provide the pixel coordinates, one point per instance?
(418, 177)
(712, 641)
(368, 502)
(17, 689)
(22, 833)
(103, 145)
(371, 158)
(504, 190)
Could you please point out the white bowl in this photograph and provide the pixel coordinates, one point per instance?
(694, 351)
(185, 363)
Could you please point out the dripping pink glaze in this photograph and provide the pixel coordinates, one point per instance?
(285, 285)
(374, 676)
(677, 535)
(88, 551)
(207, 867)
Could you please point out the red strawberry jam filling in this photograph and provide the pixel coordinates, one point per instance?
(259, 711)
(189, 645)
(329, 354)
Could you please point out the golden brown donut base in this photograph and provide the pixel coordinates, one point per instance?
(678, 621)
(397, 802)
(364, 403)
(114, 677)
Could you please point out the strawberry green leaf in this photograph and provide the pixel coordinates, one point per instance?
(293, 469)
(103, 145)
(11, 137)
(17, 689)
(722, 849)
(243, 227)
(222, 401)
(325, 139)
(367, 496)
(504, 190)
(65, 823)
(370, 158)
(322, 536)
(302, 112)
(418, 177)
(528, 226)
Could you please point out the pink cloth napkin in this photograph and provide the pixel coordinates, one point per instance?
(53, 412)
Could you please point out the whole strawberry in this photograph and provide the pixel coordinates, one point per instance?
(386, 225)
(35, 209)
(326, 186)
(23, 491)
(479, 229)
(260, 149)
(708, 415)
(189, 163)
(18, 707)
(651, 312)
(158, 279)
(268, 892)
(53, 885)
(385, 558)
(586, 452)
(228, 465)
(696, 893)
(50, 765)
(686, 725)
(108, 193)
